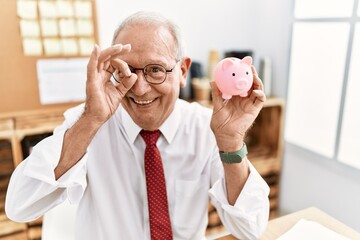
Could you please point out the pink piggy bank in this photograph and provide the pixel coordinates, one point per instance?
(234, 76)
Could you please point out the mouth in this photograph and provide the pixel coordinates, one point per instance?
(143, 102)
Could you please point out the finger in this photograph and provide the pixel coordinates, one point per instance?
(111, 52)
(92, 64)
(126, 84)
(121, 66)
(257, 83)
(216, 96)
(118, 66)
(258, 98)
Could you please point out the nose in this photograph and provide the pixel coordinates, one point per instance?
(141, 86)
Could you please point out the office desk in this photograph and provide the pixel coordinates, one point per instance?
(279, 226)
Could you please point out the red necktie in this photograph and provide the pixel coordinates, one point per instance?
(160, 226)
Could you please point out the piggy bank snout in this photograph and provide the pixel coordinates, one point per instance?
(241, 83)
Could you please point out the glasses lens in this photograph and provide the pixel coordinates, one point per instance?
(155, 73)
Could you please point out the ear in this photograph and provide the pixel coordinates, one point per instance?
(227, 62)
(185, 64)
(247, 60)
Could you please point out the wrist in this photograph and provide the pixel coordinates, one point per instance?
(229, 145)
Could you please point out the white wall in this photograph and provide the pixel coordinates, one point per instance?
(220, 25)
(263, 26)
(311, 180)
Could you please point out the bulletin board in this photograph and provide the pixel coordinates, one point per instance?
(19, 90)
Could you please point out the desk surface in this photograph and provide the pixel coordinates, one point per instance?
(279, 226)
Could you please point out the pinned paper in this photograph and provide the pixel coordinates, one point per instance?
(32, 47)
(49, 28)
(67, 28)
(62, 80)
(85, 27)
(27, 9)
(69, 46)
(52, 47)
(83, 9)
(47, 9)
(29, 28)
(86, 46)
(65, 9)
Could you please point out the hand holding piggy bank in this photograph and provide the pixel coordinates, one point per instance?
(234, 76)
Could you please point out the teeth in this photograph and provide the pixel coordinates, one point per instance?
(143, 102)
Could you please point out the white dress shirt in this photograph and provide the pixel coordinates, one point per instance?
(108, 183)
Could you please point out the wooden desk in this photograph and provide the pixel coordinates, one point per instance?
(279, 226)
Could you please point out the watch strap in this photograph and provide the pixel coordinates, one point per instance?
(234, 157)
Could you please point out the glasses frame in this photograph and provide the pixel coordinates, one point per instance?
(133, 70)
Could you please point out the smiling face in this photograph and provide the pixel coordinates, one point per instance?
(150, 105)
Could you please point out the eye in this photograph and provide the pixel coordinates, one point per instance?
(247, 73)
(155, 69)
(233, 74)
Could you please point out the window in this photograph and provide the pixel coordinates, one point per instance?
(323, 8)
(350, 131)
(323, 113)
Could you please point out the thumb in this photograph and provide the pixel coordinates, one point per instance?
(216, 95)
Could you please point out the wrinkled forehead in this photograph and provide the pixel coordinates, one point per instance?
(148, 41)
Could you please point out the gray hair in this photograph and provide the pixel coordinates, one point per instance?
(157, 20)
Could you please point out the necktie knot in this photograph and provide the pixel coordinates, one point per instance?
(150, 137)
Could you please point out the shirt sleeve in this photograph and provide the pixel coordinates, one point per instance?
(33, 189)
(248, 217)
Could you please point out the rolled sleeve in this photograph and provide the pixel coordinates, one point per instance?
(33, 188)
(248, 218)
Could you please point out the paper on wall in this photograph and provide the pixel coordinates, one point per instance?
(32, 46)
(29, 28)
(86, 46)
(65, 8)
(47, 9)
(69, 46)
(67, 27)
(49, 27)
(61, 80)
(83, 9)
(85, 27)
(27, 9)
(52, 47)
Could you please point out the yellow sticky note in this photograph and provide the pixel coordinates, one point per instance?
(49, 28)
(67, 27)
(65, 8)
(29, 28)
(47, 9)
(32, 47)
(69, 46)
(27, 9)
(85, 27)
(86, 46)
(83, 9)
(52, 47)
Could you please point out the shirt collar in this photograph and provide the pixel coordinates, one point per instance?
(168, 128)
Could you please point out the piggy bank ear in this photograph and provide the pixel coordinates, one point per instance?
(247, 60)
(227, 62)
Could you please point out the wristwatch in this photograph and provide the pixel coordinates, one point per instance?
(234, 157)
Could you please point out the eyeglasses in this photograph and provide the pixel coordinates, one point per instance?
(153, 73)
